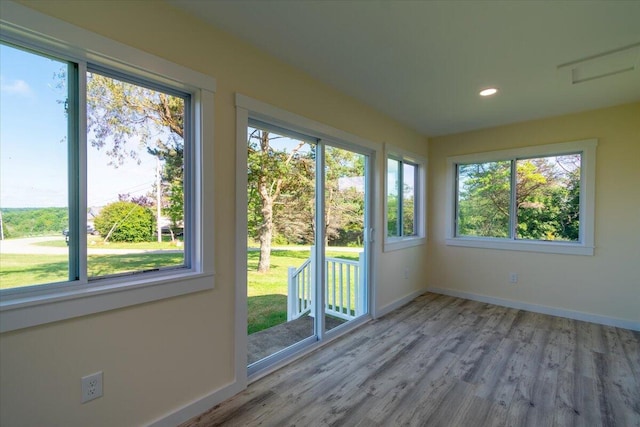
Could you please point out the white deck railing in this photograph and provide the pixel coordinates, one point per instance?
(343, 290)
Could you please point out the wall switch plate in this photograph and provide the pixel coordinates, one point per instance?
(91, 386)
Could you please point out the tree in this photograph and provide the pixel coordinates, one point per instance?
(144, 201)
(547, 198)
(125, 222)
(344, 206)
(22, 222)
(120, 114)
(484, 199)
(267, 170)
(293, 216)
(549, 201)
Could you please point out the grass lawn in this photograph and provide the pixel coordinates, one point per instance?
(267, 292)
(31, 269)
(22, 269)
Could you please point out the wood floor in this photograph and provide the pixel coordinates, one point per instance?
(444, 361)
(266, 342)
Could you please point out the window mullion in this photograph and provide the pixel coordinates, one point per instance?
(400, 224)
(81, 177)
(513, 208)
(417, 194)
(73, 131)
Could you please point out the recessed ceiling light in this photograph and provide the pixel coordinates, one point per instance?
(488, 91)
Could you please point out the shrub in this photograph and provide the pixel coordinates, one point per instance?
(133, 223)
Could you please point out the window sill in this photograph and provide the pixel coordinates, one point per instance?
(519, 245)
(69, 302)
(403, 243)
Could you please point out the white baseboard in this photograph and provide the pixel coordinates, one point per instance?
(398, 303)
(554, 311)
(198, 406)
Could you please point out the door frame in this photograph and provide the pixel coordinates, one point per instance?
(247, 108)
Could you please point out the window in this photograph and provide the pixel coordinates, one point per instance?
(136, 172)
(536, 198)
(404, 201)
(101, 175)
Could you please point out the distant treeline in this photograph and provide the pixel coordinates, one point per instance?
(25, 222)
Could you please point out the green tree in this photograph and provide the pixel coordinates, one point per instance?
(547, 198)
(23, 222)
(344, 207)
(294, 213)
(268, 168)
(125, 222)
(294, 219)
(125, 120)
(484, 199)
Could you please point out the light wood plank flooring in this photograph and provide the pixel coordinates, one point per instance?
(444, 361)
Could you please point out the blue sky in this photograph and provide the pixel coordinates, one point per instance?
(33, 150)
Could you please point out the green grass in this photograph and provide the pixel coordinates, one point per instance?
(33, 269)
(267, 292)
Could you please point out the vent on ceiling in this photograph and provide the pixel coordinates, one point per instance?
(604, 64)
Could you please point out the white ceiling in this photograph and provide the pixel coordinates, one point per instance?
(423, 62)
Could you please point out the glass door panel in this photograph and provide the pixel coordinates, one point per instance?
(345, 201)
(281, 237)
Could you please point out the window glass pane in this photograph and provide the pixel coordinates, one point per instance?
(409, 173)
(135, 177)
(483, 199)
(34, 196)
(393, 202)
(548, 198)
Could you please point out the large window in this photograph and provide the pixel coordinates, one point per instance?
(404, 201)
(136, 172)
(101, 175)
(135, 169)
(538, 198)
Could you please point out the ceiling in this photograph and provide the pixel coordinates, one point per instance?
(424, 62)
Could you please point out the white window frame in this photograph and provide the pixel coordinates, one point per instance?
(392, 243)
(34, 305)
(585, 243)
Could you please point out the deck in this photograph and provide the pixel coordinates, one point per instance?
(263, 343)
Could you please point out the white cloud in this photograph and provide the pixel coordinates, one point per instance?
(17, 87)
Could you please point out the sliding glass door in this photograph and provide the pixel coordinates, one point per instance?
(307, 247)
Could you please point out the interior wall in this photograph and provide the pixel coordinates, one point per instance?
(160, 356)
(606, 284)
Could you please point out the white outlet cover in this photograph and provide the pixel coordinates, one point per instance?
(91, 387)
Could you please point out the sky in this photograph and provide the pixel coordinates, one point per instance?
(33, 143)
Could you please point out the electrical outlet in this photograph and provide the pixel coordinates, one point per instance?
(513, 277)
(406, 273)
(91, 386)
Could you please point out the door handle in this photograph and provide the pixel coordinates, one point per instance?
(371, 235)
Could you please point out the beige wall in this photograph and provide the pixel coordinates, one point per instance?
(606, 284)
(159, 356)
